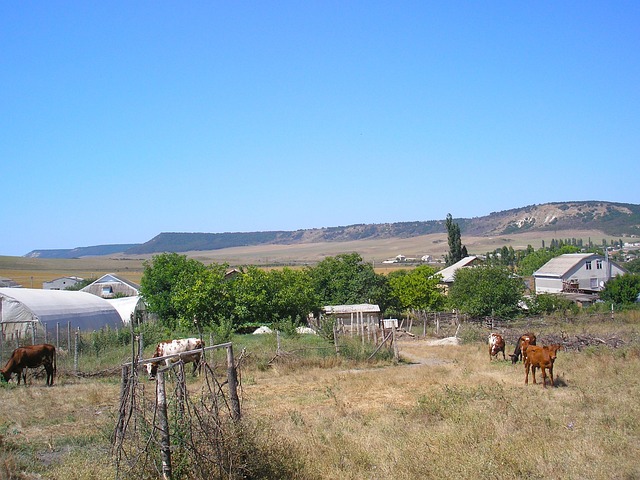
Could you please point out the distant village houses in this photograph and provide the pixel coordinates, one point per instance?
(61, 283)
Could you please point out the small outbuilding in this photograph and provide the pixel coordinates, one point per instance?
(22, 309)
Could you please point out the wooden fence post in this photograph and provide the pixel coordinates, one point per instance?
(232, 378)
(57, 335)
(163, 419)
(335, 340)
(425, 317)
(181, 386)
(396, 352)
(68, 336)
(75, 352)
(124, 387)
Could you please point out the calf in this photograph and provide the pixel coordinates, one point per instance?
(31, 356)
(496, 345)
(542, 358)
(176, 347)
(524, 341)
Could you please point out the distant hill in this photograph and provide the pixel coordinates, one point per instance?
(615, 219)
(95, 251)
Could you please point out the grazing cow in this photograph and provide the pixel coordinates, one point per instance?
(31, 356)
(172, 347)
(542, 358)
(524, 341)
(496, 345)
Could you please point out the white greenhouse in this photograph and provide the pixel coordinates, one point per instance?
(25, 309)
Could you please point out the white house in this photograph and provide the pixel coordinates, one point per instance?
(61, 283)
(576, 272)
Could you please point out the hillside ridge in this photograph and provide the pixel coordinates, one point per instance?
(616, 219)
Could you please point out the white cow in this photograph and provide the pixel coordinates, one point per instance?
(172, 347)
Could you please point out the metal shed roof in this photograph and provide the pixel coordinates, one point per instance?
(448, 274)
(359, 308)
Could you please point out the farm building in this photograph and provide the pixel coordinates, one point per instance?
(576, 272)
(351, 316)
(129, 307)
(61, 283)
(22, 309)
(112, 286)
(7, 282)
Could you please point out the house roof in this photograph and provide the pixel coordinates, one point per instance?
(559, 266)
(113, 278)
(448, 273)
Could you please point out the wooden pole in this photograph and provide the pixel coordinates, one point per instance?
(335, 340)
(163, 419)
(57, 335)
(277, 342)
(182, 388)
(396, 352)
(425, 317)
(68, 336)
(75, 352)
(124, 386)
(232, 378)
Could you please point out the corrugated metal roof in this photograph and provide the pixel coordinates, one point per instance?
(360, 308)
(559, 266)
(449, 272)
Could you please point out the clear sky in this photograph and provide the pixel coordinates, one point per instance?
(122, 120)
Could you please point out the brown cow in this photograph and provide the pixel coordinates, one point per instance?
(523, 341)
(31, 356)
(496, 345)
(542, 358)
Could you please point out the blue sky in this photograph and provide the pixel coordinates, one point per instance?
(122, 120)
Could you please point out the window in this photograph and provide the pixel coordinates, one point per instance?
(588, 265)
(599, 264)
(107, 290)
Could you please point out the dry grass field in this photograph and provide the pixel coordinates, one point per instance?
(442, 412)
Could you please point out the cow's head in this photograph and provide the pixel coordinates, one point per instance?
(553, 351)
(152, 369)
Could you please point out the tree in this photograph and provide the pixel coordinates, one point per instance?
(486, 290)
(267, 297)
(623, 289)
(347, 279)
(417, 289)
(633, 266)
(204, 295)
(456, 251)
(159, 280)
